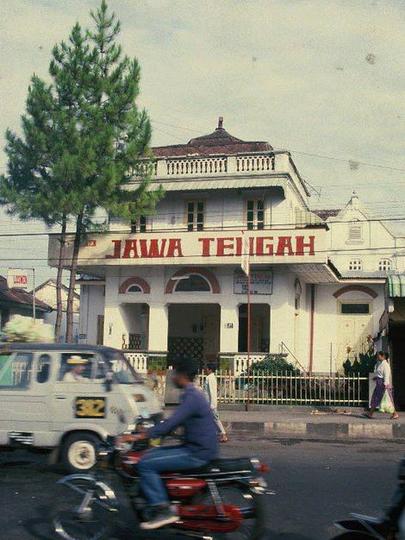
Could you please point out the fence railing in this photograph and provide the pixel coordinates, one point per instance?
(292, 389)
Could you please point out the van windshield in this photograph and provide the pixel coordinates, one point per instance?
(123, 372)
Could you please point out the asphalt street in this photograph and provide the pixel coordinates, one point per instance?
(316, 482)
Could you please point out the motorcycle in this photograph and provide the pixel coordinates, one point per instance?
(224, 498)
(390, 527)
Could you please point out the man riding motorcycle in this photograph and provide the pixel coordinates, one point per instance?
(200, 445)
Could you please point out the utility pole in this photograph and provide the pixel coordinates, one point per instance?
(245, 265)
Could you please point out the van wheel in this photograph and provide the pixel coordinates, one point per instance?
(79, 452)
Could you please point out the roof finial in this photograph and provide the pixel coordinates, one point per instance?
(220, 122)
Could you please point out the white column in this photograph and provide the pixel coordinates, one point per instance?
(158, 327)
(229, 329)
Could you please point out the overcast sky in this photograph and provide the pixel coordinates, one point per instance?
(319, 77)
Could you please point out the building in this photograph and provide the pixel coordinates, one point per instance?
(365, 251)
(172, 284)
(46, 292)
(19, 302)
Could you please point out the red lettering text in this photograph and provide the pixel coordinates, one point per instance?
(301, 245)
(151, 249)
(117, 250)
(174, 247)
(130, 249)
(224, 244)
(284, 243)
(206, 246)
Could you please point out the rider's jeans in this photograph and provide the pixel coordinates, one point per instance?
(165, 459)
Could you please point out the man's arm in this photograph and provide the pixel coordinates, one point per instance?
(184, 410)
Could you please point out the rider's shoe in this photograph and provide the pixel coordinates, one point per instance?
(159, 517)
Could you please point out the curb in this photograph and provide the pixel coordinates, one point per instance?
(327, 430)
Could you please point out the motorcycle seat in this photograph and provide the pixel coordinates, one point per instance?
(224, 466)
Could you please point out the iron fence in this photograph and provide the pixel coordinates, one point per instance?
(292, 389)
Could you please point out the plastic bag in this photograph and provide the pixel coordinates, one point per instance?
(386, 405)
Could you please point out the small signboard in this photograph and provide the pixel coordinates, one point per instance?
(17, 279)
(261, 282)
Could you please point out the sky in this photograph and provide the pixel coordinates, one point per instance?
(323, 79)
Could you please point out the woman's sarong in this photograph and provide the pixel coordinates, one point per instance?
(378, 393)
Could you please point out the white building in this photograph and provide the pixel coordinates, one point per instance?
(172, 285)
(46, 292)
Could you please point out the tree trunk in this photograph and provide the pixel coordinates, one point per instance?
(72, 280)
(59, 275)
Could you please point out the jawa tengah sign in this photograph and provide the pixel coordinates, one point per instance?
(168, 248)
(201, 248)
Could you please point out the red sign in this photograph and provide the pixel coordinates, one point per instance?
(17, 279)
(230, 246)
(20, 281)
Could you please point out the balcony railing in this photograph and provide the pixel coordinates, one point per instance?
(196, 166)
(187, 166)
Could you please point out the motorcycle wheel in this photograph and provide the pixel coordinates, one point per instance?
(77, 516)
(250, 529)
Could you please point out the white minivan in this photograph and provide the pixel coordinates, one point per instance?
(47, 401)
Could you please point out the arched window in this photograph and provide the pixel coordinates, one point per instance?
(134, 289)
(384, 265)
(356, 264)
(193, 283)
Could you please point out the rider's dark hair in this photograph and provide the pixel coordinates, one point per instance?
(383, 354)
(188, 367)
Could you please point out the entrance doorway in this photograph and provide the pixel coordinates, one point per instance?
(194, 332)
(260, 328)
(136, 319)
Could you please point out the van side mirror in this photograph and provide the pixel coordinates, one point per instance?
(108, 381)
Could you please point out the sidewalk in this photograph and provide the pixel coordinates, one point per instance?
(311, 423)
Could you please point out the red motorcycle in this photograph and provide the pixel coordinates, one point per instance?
(227, 497)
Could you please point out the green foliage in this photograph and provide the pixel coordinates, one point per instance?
(274, 363)
(83, 137)
(363, 365)
(157, 363)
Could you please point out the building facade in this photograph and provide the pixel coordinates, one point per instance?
(172, 284)
(46, 292)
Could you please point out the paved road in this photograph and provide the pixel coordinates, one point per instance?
(316, 482)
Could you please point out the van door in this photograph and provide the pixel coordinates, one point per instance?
(24, 402)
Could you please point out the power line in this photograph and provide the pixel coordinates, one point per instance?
(380, 249)
(230, 228)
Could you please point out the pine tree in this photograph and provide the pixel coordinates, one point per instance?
(83, 140)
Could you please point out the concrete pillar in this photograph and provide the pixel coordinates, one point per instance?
(158, 327)
(229, 334)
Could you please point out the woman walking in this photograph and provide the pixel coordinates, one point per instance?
(383, 384)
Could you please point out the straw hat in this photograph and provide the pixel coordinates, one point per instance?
(76, 360)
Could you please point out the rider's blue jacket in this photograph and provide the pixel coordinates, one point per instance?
(194, 414)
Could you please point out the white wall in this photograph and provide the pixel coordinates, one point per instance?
(91, 306)
(222, 209)
(328, 318)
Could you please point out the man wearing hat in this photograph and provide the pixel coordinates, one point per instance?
(77, 365)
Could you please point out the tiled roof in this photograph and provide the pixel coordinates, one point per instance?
(19, 297)
(219, 142)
